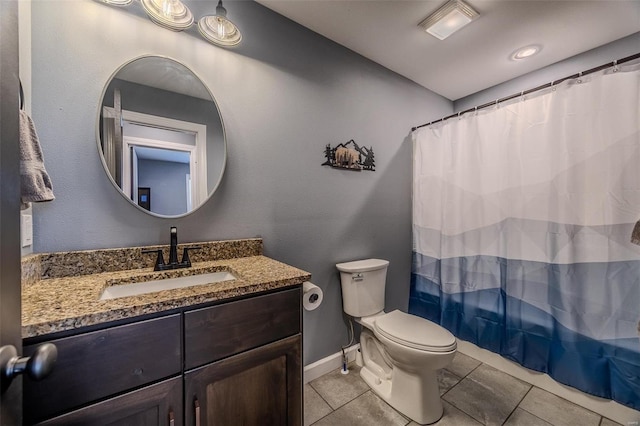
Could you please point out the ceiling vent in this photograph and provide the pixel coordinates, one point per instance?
(449, 18)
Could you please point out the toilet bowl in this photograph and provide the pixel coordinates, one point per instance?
(404, 372)
(401, 353)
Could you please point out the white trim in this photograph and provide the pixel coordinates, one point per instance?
(604, 407)
(134, 174)
(328, 364)
(129, 141)
(198, 161)
(189, 195)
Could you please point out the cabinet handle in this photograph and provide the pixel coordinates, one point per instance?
(196, 404)
(172, 419)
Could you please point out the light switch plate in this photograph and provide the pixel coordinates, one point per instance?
(26, 229)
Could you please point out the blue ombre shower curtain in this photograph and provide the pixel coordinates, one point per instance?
(522, 219)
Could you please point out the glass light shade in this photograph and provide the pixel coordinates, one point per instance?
(219, 30)
(170, 14)
(116, 2)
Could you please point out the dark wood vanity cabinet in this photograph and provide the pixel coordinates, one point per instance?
(228, 364)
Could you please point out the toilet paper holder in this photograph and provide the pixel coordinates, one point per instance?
(311, 296)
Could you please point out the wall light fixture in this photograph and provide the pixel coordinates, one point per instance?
(170, 14)
(176, 16)
(219, 29)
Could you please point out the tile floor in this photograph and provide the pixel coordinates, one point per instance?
(472, 393)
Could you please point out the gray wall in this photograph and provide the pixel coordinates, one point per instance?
(618, 49)
(283, 94)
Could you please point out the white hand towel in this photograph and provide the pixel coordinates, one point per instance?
(35, 184)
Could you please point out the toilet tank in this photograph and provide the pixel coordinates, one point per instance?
(363, 283)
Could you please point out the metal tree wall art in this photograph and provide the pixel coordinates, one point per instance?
(350, 156)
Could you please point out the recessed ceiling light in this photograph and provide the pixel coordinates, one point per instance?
(525, 52)
(448, 19)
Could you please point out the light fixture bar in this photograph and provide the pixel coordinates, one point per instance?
(176, 16)
(449, 18)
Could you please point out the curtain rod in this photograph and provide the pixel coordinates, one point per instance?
(535, 89)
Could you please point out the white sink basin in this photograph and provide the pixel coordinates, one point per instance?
(134, 289)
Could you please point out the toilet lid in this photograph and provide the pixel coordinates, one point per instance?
(415, 332)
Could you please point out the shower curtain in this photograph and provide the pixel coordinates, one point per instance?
(522, 219)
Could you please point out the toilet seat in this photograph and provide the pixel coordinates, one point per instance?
(415, 332)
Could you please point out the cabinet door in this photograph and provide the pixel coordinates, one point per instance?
(259, 387)
(156, 405)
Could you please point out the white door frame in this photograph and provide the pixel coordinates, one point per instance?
(129, 142)
(198, 152)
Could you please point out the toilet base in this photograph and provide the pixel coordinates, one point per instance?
(417, 397)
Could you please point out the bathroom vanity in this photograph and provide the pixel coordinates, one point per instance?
(221, 353)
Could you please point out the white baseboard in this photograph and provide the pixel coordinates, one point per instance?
(329, 363)
(605, 407)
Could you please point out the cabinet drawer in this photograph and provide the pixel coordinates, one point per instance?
(96, 365)
(219, 331)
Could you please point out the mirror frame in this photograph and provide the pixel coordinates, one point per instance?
(101, 153)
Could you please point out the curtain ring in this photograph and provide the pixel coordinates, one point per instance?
(497, 100)
(615, 66)
(475, 111)
(553, 89)
(579, 77)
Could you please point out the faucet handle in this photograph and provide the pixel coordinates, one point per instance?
(186, 262)
(159, 260)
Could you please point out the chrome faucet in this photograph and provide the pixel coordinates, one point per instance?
(173, 254)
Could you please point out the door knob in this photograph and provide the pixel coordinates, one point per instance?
(37, 366)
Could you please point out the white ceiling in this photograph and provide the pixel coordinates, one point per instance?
(478, 56)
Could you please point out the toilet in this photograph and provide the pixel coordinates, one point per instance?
(401, 353)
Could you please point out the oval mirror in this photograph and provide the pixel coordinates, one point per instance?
(161, 136)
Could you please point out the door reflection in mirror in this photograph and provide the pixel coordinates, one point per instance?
(164, 172)
(164, 159)
(160, 129)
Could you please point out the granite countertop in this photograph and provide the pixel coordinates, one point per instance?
(68, 302)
